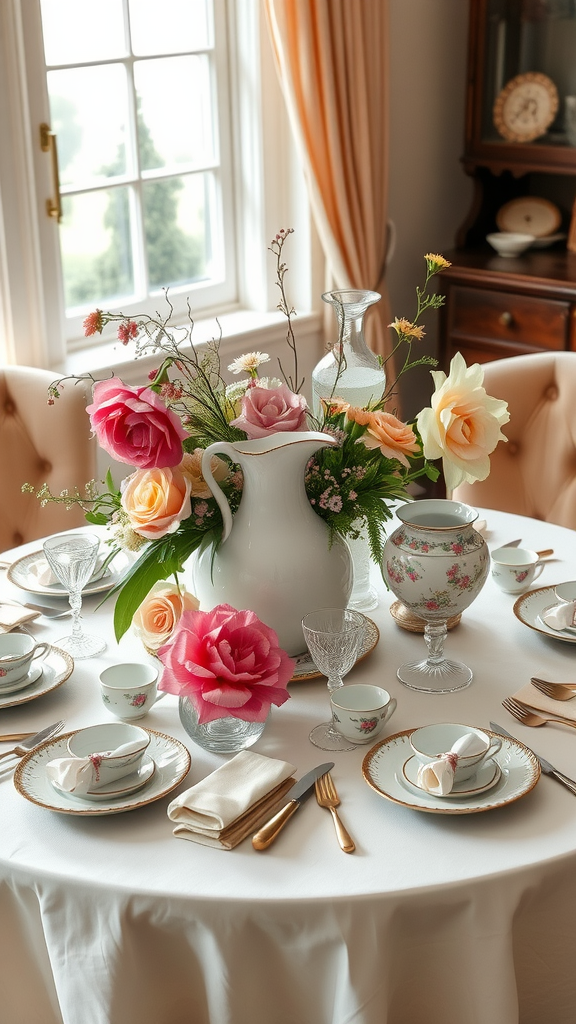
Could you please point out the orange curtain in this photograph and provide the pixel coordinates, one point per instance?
(332, 62)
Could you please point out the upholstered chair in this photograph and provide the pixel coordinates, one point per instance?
(40, 443)
(534, 474)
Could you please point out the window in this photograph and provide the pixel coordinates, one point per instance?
(169, 129)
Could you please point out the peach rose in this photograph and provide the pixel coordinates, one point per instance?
(395, 439)
(462, 427)
(191, 467)
(156, 501)
(158, 615)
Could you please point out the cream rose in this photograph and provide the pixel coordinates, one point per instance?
(462, 427)
(396, 440)
(158, 615)
(191, 467)
(156, 501)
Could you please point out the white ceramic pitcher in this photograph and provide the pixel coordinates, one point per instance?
(275, 557)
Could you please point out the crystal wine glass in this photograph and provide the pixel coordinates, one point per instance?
(334, 637)
(72, 558)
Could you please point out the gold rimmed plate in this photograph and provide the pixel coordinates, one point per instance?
(55, 669)
(172, 764)
(530, 606)
(306, 669)
(21, 573)
(383, 770)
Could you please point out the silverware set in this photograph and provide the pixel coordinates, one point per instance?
(29, 743)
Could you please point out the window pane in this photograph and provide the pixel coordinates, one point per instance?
(174, 133)
(82, 30)
(178, 213)
(180, 25)
(95, 238)
(89, 111)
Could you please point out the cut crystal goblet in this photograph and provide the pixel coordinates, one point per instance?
(334, 638)
(72, 558)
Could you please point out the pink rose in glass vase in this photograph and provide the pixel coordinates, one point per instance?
(134, 425)
(267, 410)
(228, 663)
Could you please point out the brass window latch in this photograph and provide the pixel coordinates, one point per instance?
(48, 145)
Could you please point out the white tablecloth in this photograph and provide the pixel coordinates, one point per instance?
(439, 920)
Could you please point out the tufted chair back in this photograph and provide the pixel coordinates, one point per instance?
(40, 444)
(534, 474)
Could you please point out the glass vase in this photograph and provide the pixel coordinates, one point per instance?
(225, 735)
(364, 596)
(349, 370)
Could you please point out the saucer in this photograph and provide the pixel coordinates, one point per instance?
(547, 617)
(485, 778)
(129, 784)
(55, 669)
(383, 765)
(27, 680)
(530, 607)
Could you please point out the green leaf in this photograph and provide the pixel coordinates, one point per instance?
(96, 518)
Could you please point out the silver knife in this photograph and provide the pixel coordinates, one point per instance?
(266, 835)
(545, 765)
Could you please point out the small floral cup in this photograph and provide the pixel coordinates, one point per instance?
(360, 711)
(515, 569)
(129, 691)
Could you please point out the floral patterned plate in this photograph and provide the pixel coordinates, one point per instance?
(306, 669)
(171, 758)
(56, 668)
(383, 770)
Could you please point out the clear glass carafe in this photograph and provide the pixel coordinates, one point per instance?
(350, 370)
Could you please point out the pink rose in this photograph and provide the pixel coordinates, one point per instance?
(266, 410)
(156, 501)
(133, 425)
(228, 663)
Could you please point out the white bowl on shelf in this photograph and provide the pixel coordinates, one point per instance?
(509, 243)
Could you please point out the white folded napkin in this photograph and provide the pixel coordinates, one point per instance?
(46, 578)
(233, 801)
(561, 615)
(438, 776)
(13, 615)
(528, 694)
(79, 774)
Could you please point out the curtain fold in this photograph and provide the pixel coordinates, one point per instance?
(332, 61)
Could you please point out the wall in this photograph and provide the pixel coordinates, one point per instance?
(429, 193)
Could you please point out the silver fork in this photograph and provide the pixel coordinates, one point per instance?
(29, 744)
(558, 691)
(530, 716)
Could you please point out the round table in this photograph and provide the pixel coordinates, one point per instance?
(434, 919)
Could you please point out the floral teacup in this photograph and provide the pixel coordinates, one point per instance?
(514, 569)
(360, 711)
(129, 691)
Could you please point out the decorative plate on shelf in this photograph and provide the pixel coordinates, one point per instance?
(525, 107)
(384, 769)
(530, 214)
(172, 764)
(306, 669)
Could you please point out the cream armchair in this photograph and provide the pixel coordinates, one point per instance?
(534, 474)
(40, 443)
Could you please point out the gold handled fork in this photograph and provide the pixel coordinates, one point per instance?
(327, 796)
(531, 716)
(558, 691)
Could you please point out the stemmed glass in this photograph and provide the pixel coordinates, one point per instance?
(72, 558)
(334, 637)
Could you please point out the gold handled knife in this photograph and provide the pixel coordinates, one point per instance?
(267, 834)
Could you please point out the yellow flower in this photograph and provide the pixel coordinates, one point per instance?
(435, 262)
(154, 621)
(406, 329)
(191, 467)
(462, 427)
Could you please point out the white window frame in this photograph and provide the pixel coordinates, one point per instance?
(269, 193)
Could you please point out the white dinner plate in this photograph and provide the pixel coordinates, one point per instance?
(20, 574)
(383, 766)
(171, 758)
(530, 606)
(485, 778)
(122, 788)
(56, 668)
(306, 669)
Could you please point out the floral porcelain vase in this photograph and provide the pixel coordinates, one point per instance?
(276, 557)
(436, 563)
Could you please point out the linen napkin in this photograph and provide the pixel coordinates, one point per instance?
(233, 801)
(13, 615)
(561, 615)
(77, 775)
(530, 695)
(437, 777)
(46, 578)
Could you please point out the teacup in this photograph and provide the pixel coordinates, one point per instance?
(360, 711)
(515, 569)
(432, 740)
(98, 739)
(129, 691)
(17, 652)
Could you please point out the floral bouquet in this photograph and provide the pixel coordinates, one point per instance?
(165, 510)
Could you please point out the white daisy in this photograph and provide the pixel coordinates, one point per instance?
(249, 362)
